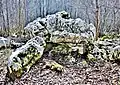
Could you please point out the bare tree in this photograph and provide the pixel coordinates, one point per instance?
(97, 19)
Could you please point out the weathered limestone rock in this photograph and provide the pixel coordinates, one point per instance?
(66, 37)
(110, 36)
(60, 22)
(49, 23)
(8, 42)
(4, 42)
(33, 28)
(91, 58)
(53, 65)
(107, 48)
(67, 53)
(78, 26)
(116, 53)
(24, 57)
(53, 22)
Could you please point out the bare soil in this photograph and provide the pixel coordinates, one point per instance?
(100, 73)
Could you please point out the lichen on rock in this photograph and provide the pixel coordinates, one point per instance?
(53, 65)
(91, 58)
(61, 22)
(24, 57)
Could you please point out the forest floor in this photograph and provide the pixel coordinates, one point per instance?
(100, 73)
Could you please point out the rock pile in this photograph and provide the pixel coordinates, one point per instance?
(67, 41)
(107, 49)
(59, 29)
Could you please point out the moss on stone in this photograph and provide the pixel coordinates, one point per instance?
(56, 66)
(15, 71)
(116, 55)
(28, 58)
(110, 36)
(61, 48)
(91, 58)
(84, 62)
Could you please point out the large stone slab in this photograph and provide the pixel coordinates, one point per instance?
(61, 21)
(24, 57)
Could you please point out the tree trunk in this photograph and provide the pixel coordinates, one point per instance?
(97, 19)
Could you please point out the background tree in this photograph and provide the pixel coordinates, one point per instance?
(97, 22)
(15, 14)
